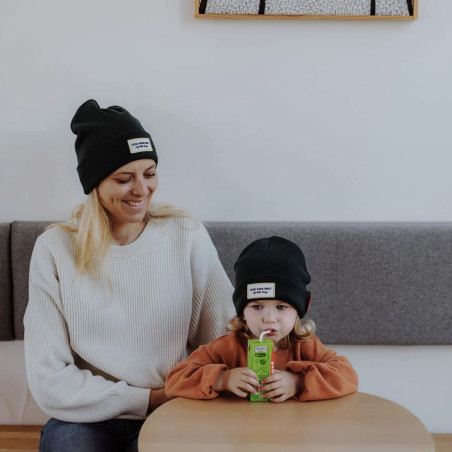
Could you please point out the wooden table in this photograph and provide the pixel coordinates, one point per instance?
(357, 422)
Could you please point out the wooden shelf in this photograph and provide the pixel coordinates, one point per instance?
(305, 17)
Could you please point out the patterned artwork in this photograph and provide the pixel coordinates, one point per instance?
(308, 7)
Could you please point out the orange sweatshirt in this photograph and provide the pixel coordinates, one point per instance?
(325, 374)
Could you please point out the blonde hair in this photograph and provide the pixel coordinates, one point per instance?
(90, 227)
(302, 330)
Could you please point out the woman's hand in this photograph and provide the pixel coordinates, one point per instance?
(156, 398)
(241, 381)
(281, 385)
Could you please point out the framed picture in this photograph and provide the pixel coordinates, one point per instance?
(307, 9)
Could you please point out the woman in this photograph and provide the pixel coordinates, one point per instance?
(118, 295)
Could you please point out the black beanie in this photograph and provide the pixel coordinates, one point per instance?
(272, 268)
(107, 138)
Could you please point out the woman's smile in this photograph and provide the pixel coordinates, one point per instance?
(135, 204)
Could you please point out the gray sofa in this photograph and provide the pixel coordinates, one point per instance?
(372, 284)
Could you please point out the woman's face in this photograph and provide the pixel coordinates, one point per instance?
(126, 193)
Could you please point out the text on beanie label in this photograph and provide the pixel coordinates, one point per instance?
(260, 290)
(139, 145)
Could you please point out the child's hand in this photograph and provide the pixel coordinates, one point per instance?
(281, 385)
(241, 381)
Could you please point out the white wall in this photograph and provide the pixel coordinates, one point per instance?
(416, 377)
(253, 120)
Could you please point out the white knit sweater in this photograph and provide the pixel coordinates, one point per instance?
(93, 351)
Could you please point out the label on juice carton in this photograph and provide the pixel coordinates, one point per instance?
(260, 360)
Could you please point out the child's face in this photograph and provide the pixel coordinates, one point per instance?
(277, 316)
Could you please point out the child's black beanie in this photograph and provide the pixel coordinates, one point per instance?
(107, 138)
(272, 268)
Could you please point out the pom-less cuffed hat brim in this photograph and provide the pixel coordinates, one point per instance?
(285, 290)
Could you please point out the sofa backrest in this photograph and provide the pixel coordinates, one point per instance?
(372, 283)
(6, 296)
(23, 238)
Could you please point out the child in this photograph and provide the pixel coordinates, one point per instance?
(270, 295)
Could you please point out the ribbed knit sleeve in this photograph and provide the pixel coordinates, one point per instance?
(60, 388)
(212, 292)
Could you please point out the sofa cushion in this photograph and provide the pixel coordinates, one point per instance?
(17, 405)
(23, 238)
(6, 300)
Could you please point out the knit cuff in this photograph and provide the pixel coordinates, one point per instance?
(135, 401)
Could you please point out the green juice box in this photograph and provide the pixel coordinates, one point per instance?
(260, 360)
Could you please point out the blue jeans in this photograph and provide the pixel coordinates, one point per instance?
(116, 435)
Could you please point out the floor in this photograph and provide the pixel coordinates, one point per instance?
(19, 438)
(25, 438)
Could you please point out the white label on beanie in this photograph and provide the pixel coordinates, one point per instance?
(139, 145)
(260, 290)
